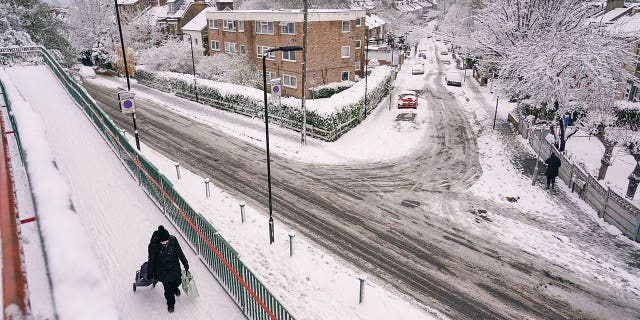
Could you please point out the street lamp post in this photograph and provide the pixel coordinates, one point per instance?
(193, 65)
(266, 127)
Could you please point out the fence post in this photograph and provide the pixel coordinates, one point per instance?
(606, 201)
(242, 218)
(177, 169)
(291, 235)
(206, 185)
(362, 278)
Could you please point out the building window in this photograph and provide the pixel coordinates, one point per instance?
(243, 49)
(270, 75)
(240, 26)
(213, 24)
(358, 22)
(289, 81)
(264, 27)
(228, 25)
(357, 65)
(345, 75)
(196, 40)
(287, 28)
(230, 47)
(289, 56)
(215, 45)
(358, 44)
(262, 49)
(346, 51)
(346, 26)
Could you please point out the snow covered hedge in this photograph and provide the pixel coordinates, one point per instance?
(330, 89)
(327, 119)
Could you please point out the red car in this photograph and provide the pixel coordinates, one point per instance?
(408, 100)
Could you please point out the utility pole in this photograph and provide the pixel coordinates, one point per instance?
(303, 134)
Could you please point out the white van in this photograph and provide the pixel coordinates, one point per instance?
(453, 78)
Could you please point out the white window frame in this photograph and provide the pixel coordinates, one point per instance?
(215, 47)
(264, 24)
(347, 24)
(213, 24)
(358, 44)
(286, 25)
(287, 56)
(230, 47)
(240, 25)
(243, 49)
(348, 52)
(286, 81)
(358, 22)
(271, 75)
(229, 25)
(342, 75)
(261, 49)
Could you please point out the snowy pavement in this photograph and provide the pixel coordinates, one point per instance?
(117, 216)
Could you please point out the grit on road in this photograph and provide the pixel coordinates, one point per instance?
(357, 212)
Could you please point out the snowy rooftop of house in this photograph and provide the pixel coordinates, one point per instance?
(127, 2)
(374, 21)
(289, 15)
(627, 24)
(199, 22)
(366, 4)
(610, 16)
(225, 1)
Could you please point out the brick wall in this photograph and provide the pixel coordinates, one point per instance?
(324, 59)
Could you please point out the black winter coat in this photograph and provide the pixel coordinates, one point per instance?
(163, 260)
(553, 163)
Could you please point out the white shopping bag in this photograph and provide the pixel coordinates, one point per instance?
(189, 285)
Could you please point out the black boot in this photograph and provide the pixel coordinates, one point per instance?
(177, 292)
(170, 309)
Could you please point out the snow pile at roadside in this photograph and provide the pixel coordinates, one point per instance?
(78, 288)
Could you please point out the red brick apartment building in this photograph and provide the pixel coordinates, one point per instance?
(336, 40)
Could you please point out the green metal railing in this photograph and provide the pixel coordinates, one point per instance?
(243, 286)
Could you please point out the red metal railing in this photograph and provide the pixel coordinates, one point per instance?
(13, 280)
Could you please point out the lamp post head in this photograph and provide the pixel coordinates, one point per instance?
(290, 48)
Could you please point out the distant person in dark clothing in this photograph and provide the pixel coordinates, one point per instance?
(553, 164)
(164, 253)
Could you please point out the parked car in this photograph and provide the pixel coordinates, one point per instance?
(444, 52)
(445, 60)
(422, 54)
(417, 69)
(453, 78)
(408, 100)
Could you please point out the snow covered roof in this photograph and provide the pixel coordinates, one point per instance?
(374, 21)
(366, 4)
(627, 24)
(610, 16)
(199, 22)
(288, 15)
(127, 2)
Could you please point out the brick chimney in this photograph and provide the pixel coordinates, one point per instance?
(224, 5)
(613, 4)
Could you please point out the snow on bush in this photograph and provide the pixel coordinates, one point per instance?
(333, 116)
(330, 89)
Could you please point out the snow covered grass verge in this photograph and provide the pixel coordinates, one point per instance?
(78, 288)
(330, 117)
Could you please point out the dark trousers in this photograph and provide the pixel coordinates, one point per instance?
(170, 289)
(551, 181)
